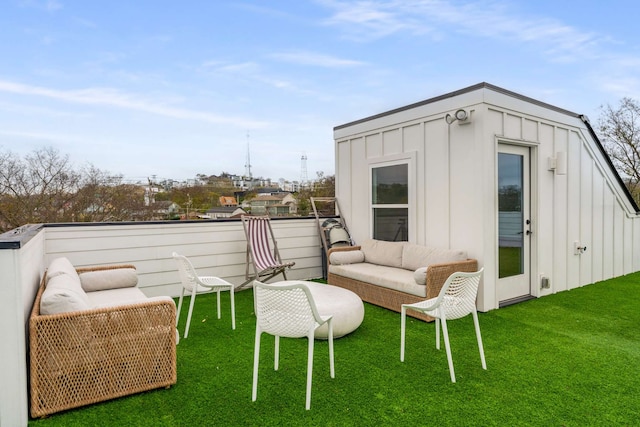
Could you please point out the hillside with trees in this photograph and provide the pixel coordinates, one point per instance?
(45, 187)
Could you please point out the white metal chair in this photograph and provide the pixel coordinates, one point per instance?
(288, 311)
(195, 284)
(456, 299)
(266, 262)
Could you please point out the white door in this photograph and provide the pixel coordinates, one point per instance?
(514, 223)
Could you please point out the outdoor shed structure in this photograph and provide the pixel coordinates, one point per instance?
(524, 187)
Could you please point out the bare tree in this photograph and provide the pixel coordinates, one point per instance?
(104, 197)
(619, 130)
(39, 188)
(45, 188)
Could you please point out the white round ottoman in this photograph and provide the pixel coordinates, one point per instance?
(345, 306)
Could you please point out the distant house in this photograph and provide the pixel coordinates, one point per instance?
(276, 204)
(225, 212)
(165, 209)
(228, 201)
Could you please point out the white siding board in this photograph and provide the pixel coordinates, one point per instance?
(413, 141)
(344, 184)
(586, 216)
(597, 241)
(546, 206)
(574, 151)
(360, 193)
(374, 146)
(618, 242)
(608, 234)
(560, 231)
(530, 130)
(392, 142)
(436, 184)
(636, 240)
(512, 126)
(628, 245)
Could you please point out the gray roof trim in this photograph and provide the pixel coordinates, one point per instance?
(475, 87)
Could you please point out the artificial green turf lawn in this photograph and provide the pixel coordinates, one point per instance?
(568, 359)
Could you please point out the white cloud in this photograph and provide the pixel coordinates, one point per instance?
(373, 19)
(316, 59)
(114, 98)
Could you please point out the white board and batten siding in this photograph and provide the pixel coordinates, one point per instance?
(453, 169)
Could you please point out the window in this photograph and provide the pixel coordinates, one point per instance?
(390, 202)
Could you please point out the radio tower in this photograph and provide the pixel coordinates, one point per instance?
(303, 170)
(247, 165)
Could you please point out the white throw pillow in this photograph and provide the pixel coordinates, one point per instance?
(346, 257)
(108, 279)
(61, 266)
(382, 252)
(63, 295)
(420, 276)
(417, 256)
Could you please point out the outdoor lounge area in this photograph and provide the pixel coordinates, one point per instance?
(567, 359)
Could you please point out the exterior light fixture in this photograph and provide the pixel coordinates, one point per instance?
(461, 115)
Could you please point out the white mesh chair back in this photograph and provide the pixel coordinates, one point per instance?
(194, 284)
(286, 311)
(458, 295)
(188, 275)
(456, 299)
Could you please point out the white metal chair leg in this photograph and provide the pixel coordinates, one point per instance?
(438, 333)
(480, 346)
(276, 356)
(218, 292)
(309, 369)
(331, 361)
(256, 361)
(445, 332)
(403, 324)
(233, 309)
(179, 306)
(191, 304)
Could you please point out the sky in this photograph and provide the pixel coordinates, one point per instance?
(173, 89)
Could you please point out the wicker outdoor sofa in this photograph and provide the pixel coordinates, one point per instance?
(94, 336)
(389, 274)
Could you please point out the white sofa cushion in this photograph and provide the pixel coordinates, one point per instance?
(383, 253)
(60, 266)
(346, 257)
(92, 281)
(383, 276)
(63, 294)
(417, 256)
(115, 297)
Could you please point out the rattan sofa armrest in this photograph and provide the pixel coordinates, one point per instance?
(437, 274)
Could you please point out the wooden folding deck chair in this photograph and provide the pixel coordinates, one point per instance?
(266, 263)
